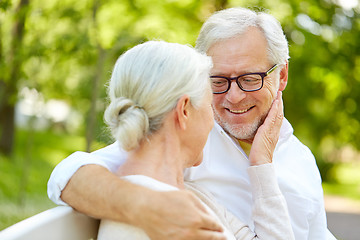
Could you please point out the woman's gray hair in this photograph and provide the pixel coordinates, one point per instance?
(146, 83)
(231, 22)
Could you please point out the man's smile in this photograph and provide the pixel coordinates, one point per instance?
(239, 111)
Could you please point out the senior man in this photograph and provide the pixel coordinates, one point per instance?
(250, 65)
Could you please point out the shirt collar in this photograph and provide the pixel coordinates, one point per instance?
(286, 130)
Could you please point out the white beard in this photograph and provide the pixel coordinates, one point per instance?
(240, 131)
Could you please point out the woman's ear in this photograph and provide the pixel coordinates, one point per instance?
(284, 77)
(183, 111)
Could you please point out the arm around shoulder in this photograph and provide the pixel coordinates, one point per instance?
(63, 172)
(97, 192)
(110, 157)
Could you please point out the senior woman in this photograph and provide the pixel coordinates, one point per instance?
(160, 113)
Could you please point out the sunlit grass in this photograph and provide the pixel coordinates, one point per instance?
(12, 211)
(22, 190)
(25, 174)
(347, 181)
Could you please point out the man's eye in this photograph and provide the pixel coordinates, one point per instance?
(250, 80)
(219, 82)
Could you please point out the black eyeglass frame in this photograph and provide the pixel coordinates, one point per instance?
(262, 74)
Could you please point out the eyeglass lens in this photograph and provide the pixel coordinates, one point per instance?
(248, 82)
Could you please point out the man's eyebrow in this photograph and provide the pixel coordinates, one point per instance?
(219, 73)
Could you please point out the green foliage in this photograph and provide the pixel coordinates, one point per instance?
(63, 42)
(346, 181)
(24, 178)
(63, 39)
(322, 92)
(5, 4)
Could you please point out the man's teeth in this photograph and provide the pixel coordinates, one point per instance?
(239, 111)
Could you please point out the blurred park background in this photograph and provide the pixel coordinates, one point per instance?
(56, 57)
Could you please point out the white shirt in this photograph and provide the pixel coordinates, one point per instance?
(224, 174)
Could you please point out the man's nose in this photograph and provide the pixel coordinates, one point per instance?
(235, 94)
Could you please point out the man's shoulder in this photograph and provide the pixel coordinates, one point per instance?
(294, 145)
(288, 138)
(294, 160)
(111, 150)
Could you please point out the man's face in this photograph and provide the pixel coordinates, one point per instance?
(241, 113)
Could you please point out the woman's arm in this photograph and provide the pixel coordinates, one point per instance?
(270, 213)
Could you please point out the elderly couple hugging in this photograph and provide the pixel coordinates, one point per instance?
(175, 174)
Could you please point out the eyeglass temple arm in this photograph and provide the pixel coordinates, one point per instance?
(271, 69)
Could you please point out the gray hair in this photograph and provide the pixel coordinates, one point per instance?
(146, 83)
(231, 22)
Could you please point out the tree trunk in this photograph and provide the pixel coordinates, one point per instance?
(7, 128)
(9, 84)
(94, 95)
(91, 123)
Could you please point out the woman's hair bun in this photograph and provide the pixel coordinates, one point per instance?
(127, 121)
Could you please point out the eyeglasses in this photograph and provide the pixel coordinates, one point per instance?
(248, 82)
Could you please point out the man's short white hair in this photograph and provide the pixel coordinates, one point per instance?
(232, 22)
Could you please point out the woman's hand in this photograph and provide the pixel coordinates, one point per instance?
(267, 135)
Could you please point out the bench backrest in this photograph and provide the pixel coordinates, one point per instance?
(58, 223)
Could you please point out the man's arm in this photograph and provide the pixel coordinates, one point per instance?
(97, 192)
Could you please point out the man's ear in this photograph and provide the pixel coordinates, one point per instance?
(284, 76)
(183, 111)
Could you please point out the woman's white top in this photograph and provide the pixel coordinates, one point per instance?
(270, 213)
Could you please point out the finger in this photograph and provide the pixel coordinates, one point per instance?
(276, 106)
(280, 104)
(205, 220)
(197, 202)
(280, 111)
(276, 113)
(210, 223)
